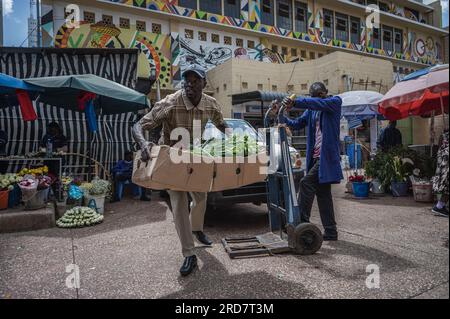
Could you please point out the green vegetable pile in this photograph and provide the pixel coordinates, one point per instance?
(235, 145)
(79, 217)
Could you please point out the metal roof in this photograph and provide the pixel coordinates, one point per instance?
(257, 96)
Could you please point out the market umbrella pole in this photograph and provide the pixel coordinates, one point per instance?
(356, 151)
(443, 113)
(432, 134)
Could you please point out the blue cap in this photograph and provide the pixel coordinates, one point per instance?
(197, 69)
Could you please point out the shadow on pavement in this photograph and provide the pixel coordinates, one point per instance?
(214, 281)
(387, 200)
(324, 259)
(118, 216)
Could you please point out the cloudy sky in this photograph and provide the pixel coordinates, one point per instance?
(16, 13)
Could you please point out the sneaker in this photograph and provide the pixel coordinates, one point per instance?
(441, 212)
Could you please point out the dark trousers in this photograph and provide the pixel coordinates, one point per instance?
(310, 187)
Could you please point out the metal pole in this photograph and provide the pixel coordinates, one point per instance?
(432, 134)
(38, 20)
(356, 150)
(443, 111)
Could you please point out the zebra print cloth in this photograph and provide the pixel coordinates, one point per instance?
(114, 131)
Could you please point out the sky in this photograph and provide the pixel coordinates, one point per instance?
(16, 13)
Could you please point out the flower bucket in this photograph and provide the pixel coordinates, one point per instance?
(14, 197)
(376, 187)
(4, 195)
(361, 190)
(423, 193)
(38, 201)
(399, 189)
(95, 202)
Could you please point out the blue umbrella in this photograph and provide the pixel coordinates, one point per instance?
(8, 87)
(358, 106)
(423, 72)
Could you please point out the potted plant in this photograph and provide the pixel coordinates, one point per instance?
(360, 186)
(95, 194)
(398, 177)
(372, 169)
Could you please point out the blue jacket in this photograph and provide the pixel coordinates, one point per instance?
(123, 168)
(329, 110)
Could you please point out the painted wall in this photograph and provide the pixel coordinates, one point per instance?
(315, 32)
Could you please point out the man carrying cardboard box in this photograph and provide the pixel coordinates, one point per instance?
(181, 110)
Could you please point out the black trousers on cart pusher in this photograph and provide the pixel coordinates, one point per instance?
(309, 188)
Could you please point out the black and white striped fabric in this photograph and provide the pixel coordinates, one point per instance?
(114, 135)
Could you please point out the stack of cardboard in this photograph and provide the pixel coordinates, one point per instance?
(165, 171)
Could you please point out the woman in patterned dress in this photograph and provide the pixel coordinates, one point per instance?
(440, 180)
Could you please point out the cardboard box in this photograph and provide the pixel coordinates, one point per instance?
(162, 172)
(194, 174)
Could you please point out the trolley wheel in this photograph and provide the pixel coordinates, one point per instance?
(307, 239)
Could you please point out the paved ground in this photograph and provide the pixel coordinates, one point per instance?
(135, 254)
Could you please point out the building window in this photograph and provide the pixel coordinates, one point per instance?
(240, 43)
(301, 17)
(303, 54)
(202, 36)
(398, 41)
(260, 87)
(244, 85)
(328, 24)
(227, 40)
(217, 90)
(141, 26)
(233, 8)
(188, 34)
(275, 48)
(414, 14)
(376, 41)
(284, 51)
(355, 30)
(325, 82)
(320, 55)
(89, 17)
(384, 7)
(291, 88)
(388, 41)
(395, 69)
(212, 6)
(304, 87)
(107, 19)
(192, 4)
(267, 12)
(124, 23)
(224, 87)
(251, 44)
(274, 88)
(341, 27)
(156, 28)
(215, 38)
(294, 52)
(312, 55)
(284, 14)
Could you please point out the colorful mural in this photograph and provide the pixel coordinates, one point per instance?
(250, 11)
(155, 48)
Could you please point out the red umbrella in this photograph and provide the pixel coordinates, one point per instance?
(420, 96)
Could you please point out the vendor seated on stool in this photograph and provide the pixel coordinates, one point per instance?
(56, 137)
(122, 176)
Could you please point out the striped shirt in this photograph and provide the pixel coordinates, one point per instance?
(177, 111)
(318, 144)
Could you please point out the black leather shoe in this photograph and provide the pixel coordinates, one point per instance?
(201, 237)
(188, 266)
(330, 237)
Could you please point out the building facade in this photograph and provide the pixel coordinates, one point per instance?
(297, 40)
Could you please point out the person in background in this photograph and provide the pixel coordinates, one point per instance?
(390, 137)
(3, 142)
(123, 172)
(56, 137)
(440, 180)
(322, 119)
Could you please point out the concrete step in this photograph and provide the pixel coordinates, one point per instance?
(18, 220)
